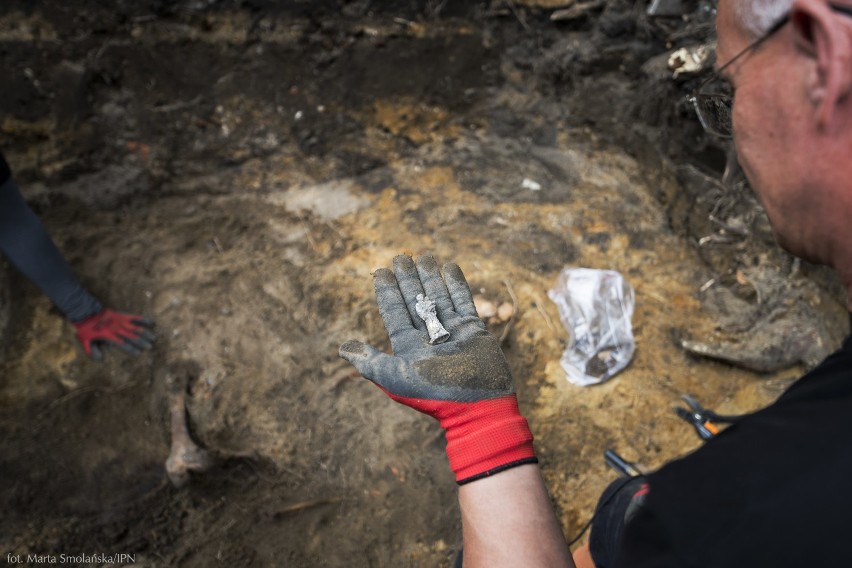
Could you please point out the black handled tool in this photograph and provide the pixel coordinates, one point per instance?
(706, 422)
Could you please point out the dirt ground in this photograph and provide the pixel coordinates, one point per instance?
(236, 170)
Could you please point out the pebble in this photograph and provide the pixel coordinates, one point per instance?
(505, 311)
(485, 308)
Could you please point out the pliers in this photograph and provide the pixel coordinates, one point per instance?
(706, 422)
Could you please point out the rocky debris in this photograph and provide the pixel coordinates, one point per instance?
(778, 341)
(492, 313)
(690, 60)
(767, 319)
(577, 10)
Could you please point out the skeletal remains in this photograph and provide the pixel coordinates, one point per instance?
(185, 455)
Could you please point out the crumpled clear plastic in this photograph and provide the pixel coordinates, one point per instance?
(595, 306)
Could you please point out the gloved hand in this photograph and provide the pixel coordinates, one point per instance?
(128, 332)
(464, 382)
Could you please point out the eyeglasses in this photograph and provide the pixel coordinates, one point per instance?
(714, 108)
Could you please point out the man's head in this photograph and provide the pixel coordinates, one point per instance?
(792, 118)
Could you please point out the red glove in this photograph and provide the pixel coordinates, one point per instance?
(128, 332)
(483, 437)
(464, 382)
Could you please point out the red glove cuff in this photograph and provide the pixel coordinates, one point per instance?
(483, 437)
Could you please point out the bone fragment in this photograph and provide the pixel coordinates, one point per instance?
(185, 455)
(425, 308)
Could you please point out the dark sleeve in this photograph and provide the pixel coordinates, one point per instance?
(5, 172)
(644, 544)
(25, 242)
(625, 532)
(615, 507)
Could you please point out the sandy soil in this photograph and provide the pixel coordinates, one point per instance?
(237, 170)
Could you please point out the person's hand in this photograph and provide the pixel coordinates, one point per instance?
(128, 332)
(464, 382)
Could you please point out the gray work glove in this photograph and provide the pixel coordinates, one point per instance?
(464, 382)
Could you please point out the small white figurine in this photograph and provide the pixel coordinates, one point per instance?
(425, 308)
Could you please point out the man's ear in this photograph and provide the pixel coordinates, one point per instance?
(820, 35)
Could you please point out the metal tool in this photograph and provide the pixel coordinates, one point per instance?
(706, 422)
(621, 465)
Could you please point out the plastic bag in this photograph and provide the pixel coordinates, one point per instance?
(595, 306)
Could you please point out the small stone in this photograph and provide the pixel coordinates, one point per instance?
(505, 311)
(531, 184)
(485, 308)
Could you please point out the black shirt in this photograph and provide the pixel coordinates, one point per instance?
(5, 173)
(772, 490)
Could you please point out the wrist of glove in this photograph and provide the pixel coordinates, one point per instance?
(465, 382)
(130, 333)
(483, 437)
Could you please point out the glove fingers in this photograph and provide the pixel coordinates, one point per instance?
(87, 345)
(387, 372)
(126, 347)
(139, 320)
(434, 286)
(130, 329)
(392, 306)
(136, 332)
(138, 342)
(363, 357)
(135, 319)
(459, 290)
(95, 352)
(147, 336)
(409, 285)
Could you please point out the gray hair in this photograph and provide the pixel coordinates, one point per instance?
(756, 17)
